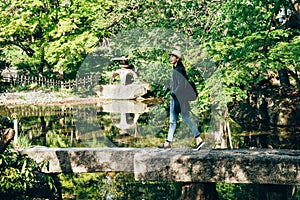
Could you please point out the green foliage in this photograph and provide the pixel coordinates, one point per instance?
(5, 122)
(24, 142)
(18, 171)
(130, 188)
(79, 184)
(51, 35)
(123, 186)
(286, 53)
(228, 191)
(54, 139)
(119, 185)
(251, 42)
(17, 175)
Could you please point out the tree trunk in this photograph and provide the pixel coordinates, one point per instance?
(199, 191)
(284, 77)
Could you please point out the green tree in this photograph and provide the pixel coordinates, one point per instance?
(52, 35)
(254, 38)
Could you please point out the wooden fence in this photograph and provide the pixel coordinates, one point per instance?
(22, 80)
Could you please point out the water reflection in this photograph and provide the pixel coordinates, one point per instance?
(40, 125)
(125, 114)
(125, 124)
(102, 124)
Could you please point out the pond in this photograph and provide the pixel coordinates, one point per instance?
(125, 123)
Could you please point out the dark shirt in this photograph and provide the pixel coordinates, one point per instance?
(178, 89)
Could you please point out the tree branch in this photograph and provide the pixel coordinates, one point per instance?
(28, 51)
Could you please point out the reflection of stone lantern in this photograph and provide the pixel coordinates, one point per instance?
(124, 122)
(127, 88)
(125, 114)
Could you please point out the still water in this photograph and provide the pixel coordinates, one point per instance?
(103, 124)
(126, 124)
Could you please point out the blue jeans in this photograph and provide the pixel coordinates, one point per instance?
(173, 119)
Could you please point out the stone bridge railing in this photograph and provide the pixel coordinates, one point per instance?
(264, 166)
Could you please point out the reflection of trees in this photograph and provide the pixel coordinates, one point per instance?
(219, 126)
(282, 138)
(36, 128)
(35, 122)
(154, 122)
(93, 129)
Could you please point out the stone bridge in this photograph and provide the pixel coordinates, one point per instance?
(263, 166)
